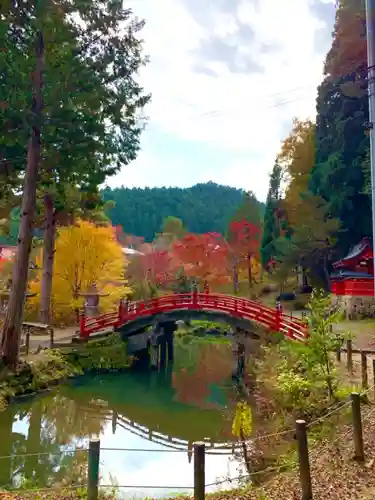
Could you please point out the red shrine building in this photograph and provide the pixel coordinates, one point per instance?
(352, 281)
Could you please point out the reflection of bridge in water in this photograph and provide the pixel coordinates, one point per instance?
(173, 443)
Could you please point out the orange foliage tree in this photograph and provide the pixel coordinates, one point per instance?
(154, 268)
(245, 239)
(347, 59)
(204, 257)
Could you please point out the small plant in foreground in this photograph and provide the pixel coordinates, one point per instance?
(305, 374)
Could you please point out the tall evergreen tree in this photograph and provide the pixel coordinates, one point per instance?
(271, 221)
(341, 140)
(90, 123)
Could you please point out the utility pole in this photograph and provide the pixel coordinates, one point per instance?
(14, 316)
(370, 26)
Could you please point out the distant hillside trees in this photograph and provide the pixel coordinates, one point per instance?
(203, 208)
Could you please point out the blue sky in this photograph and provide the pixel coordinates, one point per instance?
(226, 77)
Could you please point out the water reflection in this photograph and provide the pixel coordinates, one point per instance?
(162, 412)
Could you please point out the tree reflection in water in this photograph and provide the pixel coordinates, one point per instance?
(52, 424)
(196, 401)
(197, 368)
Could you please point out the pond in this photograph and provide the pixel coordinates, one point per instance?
(161, 414)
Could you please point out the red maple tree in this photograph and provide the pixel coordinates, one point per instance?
(245, 239)
(204, 257)
(157, 268)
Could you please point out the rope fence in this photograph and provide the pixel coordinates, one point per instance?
(200, 450)
(300, 434)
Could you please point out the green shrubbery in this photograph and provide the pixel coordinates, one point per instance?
(47, 369)
(199, 328)
(52, 366)
(302, 377)
(106, 354)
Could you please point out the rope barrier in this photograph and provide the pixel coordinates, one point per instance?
(147, 487)
(247, 476)
(155, 450)
(272, 469)
(166, 487)
(331, 442)
(144, 450)
(41, 454)
(326, 415)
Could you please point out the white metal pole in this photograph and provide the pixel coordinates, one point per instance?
(370, 24)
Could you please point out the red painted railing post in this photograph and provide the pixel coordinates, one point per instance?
(82, 332)
(195, 296)
(277, 320)
(121, 311)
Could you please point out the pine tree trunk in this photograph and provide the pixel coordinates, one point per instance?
(48, 258)
(304, 278)
(326, 273)
(14, 317)
(249, 273)
(236, 287)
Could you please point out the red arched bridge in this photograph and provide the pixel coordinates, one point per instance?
(131, 316)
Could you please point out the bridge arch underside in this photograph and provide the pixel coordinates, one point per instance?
(140, 324)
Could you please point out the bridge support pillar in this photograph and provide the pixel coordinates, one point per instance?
(154, 352)
(238, 356)
(154, 357)
(170, 348)
(114, 421)
(163, 353)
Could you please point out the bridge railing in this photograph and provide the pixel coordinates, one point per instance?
(238, 307)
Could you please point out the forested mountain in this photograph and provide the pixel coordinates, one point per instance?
(203, 207)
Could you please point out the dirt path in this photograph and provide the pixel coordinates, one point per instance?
(61, 335)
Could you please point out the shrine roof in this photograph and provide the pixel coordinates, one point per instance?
(355, 252)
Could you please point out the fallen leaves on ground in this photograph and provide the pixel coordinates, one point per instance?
(335, 474)
(50, 495)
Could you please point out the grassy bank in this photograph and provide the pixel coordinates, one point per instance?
(50, 367)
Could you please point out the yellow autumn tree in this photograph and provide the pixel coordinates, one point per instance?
(308, 219)
(297, 159)
(256, 271)
(84, 255)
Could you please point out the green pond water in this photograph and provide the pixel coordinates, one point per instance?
(161, 414)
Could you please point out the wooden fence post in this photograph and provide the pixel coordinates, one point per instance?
(51, 338)
(357, 427)
(27, 343)
(199, 471)
(338, 351)
(82, 332)
(364, 370)
(373, 375)
(349, 355)
(338, 354)
(93, 470)
(304, 463)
